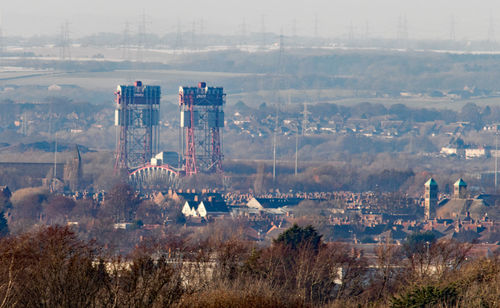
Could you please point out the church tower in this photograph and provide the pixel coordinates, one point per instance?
(431, 198)
(73, 171)
(460, 189)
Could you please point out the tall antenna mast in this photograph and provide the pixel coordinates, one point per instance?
(55, 154)
(193, 35)
(126, 42)
(1, 34)
(351, 32)
(201, 42)
(25, 124)
(316, 33)
(64, 52)
(296, 150)
(274, 145)
(305, 120)
(263, 31)
(399, 31)
(491, 31)
(452, 28)
(142, 38)
(405, 28)
(50, 118)
(411, 135)
(402, 34)
(281, 63)
(178, 38)
(243, 35)
(496, 161)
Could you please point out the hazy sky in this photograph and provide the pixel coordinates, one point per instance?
(425, 18)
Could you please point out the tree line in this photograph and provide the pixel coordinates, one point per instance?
(52, 267)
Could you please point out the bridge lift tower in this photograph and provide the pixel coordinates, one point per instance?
(202, 119)
(137, 119)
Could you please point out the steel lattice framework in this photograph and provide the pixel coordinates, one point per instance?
(151, 176)
(137, 118)
(202, 118)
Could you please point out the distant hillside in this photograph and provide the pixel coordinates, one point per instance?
(44, 146)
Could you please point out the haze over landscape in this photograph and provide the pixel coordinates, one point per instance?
(469, 20)
(249, 154)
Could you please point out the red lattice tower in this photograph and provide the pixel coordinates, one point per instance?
(202, 119)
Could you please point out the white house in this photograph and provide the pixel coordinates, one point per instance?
(254, 203)
(189, 210)
(213, 208)
(204, 209)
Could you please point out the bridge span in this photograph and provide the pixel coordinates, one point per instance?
(154, 176)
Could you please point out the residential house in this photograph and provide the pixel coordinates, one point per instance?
(272, 203)
(189, 209)
(205, 209)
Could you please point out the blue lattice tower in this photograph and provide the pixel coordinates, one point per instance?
(137, 118)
